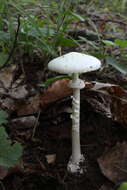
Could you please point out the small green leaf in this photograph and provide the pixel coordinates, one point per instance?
(123, 186)
(82, 39)
(98, 55)
(4, 36)
(51, 80)
(77, 16)
(63, 41)
(108, 43)
(9, 154)
(3, 117)
(3, 58)
(119, 66)
(121, 43)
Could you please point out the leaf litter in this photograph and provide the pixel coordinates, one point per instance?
(101, 100)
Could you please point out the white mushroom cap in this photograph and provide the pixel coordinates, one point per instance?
(74, 63)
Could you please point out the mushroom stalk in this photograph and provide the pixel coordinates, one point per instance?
(74, 164)
(76, 150)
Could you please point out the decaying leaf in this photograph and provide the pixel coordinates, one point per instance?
(24, 122)
(6, 76)
(8, 104)
(19, 92)
(51, 158)
(30, 106)
(113, 163)
(22, 127)
(56, 91)
(109, 100)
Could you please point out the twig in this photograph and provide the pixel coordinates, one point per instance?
(122, 169)
(43, 167)
(110, 20)
(36, 122)
(14, 44)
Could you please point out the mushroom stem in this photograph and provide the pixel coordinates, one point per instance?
(76, 150)
(77, 157)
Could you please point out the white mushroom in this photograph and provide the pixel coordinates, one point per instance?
(75, 63)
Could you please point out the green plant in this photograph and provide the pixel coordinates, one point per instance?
(122, 186)
(3, 117)
(43, 27)
(9, 154)
(118, 61)
(53, 79)
(117, 5)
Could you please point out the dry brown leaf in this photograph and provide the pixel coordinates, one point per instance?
(24, 122)
(113, 163)
(56, 91)
(19, 92)
(6, 76)
(30, 106)
(51, 158)
(8, 104)
(109, 100)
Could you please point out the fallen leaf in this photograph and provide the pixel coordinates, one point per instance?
(56, 91)
(51, 158)
(23, 122)
(6, 76)
(109, 100)
(30, 106)
(113, 163)
(19, 92)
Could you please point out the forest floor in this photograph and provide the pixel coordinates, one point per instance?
(40, 121)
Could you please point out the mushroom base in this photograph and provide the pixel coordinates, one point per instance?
(77, 168)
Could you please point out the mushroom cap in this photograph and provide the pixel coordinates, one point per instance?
(74, 63)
